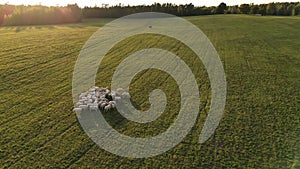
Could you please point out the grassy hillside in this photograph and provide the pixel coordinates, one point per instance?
(259, 129)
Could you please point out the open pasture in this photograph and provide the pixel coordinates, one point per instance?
(260, 127)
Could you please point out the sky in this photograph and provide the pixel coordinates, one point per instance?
(83, 3)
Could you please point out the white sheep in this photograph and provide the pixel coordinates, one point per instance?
(93, 106)
(83, 107)
(117, 98)
(113, 95)
(101, 98)
(82, 95)
(107, 107)
(103, 104)
(125, 95)
(77, 110)
(112, 103)
(120, 91)
(92, 89)
(79, 103)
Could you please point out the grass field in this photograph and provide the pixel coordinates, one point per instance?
(260, 127)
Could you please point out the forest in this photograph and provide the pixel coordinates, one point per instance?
(41, 15)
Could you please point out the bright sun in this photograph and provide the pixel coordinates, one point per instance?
(130, 2)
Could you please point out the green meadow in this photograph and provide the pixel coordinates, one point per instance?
(260, 127)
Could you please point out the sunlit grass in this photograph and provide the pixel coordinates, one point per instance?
(259, 129)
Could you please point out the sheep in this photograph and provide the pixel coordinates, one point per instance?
(93, 106)
(126, 95)
(117, 98)
(89, 96)
(102, 89)
(113, 95)
(102, 104)
(84, 98)
(82, 95)
(108, 97)
(113, 104)
(107, 107)
(100, 98)
(120, 91)
(95, 101)
(77, 110)
(78, 104)
(103, 99)
(83, 107)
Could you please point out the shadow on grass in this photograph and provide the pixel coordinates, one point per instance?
(92, 118)
(85, 23)
(115, 119)
(18, 29)
(23, 28)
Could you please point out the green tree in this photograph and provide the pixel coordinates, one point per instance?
(221, 8)
(244, 8)
(233, 10)
(280, 10)
(75, 12)
(262, 9)
(180, 10)
(297, 9)
(189, 8)
(254, 9)
(271, 9)
(291, 10)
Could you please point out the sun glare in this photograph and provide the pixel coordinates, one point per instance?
(140, 2)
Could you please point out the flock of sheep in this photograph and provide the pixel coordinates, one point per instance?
(100, 98)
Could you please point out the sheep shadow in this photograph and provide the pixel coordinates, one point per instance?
(115, 119)
(90, 120)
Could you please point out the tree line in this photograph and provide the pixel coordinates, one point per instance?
(282, 9)
(37, 14)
